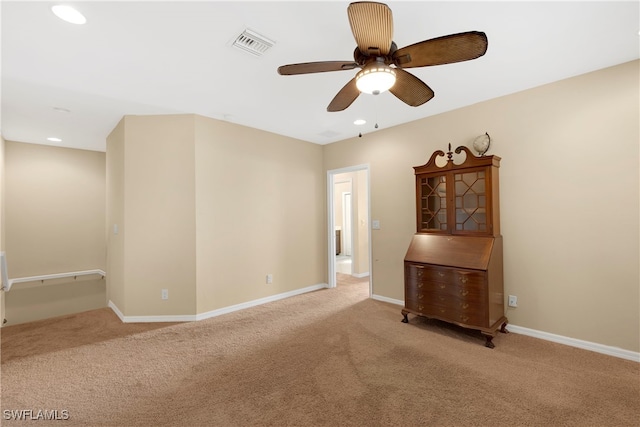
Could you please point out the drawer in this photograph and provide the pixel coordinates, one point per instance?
(446, 301)
(453, 315)
(469, 315)
(469, 291)
(428, 273)
(468, 278)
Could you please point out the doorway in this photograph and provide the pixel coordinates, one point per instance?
(349, 228)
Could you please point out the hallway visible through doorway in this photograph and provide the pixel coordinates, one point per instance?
(349, 223)
(343, 264)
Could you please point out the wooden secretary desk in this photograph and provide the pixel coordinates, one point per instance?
(453, 267)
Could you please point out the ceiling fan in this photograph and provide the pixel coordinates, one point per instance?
(382, 63)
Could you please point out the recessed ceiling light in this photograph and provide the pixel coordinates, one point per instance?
(68, 14)
(54, 139)
(359, 122)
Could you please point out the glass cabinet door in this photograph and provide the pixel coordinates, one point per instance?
(433, 203)
(470, 201)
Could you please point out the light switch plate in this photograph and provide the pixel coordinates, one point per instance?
(375, 224)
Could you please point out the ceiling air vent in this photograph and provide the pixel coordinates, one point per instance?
(252, 42)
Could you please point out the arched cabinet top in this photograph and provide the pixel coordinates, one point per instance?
(470, 161)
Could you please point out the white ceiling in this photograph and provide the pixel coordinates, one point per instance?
(136, 58)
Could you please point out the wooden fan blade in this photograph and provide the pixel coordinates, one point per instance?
(344, 97)
(316, 67)
(372, 27)
(410, 89)
(442, 50)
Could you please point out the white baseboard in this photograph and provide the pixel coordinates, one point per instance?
(213, 313)
(386, 299)
(260, 301)
(151, 319)
(116, 310)
(360, 275)
(572, 342)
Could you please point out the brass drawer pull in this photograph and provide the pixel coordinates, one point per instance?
(441, 298)
(464, 306)
(463, 279)
(420, 296)
(420, 307)
(420, 285)
(442, 285)
(440, 273)
(464, 292)
(464, 318)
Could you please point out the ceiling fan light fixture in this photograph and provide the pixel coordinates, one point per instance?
(375, 78)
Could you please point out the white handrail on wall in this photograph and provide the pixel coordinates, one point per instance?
(8, 283)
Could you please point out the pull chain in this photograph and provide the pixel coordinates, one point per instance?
(375, 111)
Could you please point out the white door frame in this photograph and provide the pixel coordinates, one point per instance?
(331, 235)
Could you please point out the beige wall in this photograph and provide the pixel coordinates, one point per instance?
(54, 218)
(159, 207)
(207, 209)
(259, 210)
(569, 199)
(152, 202)
(115, 227)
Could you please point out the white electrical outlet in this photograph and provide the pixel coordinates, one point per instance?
(269, 279)
(165, 294)
(513, 301)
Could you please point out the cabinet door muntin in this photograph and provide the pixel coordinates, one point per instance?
(470, 192)
(432, 202)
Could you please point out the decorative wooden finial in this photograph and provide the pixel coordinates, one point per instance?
(450, 154)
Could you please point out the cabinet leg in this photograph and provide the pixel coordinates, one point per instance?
(503, 328)
(489, 343)
(405, 319)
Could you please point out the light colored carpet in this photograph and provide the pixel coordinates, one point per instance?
(326, 358)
